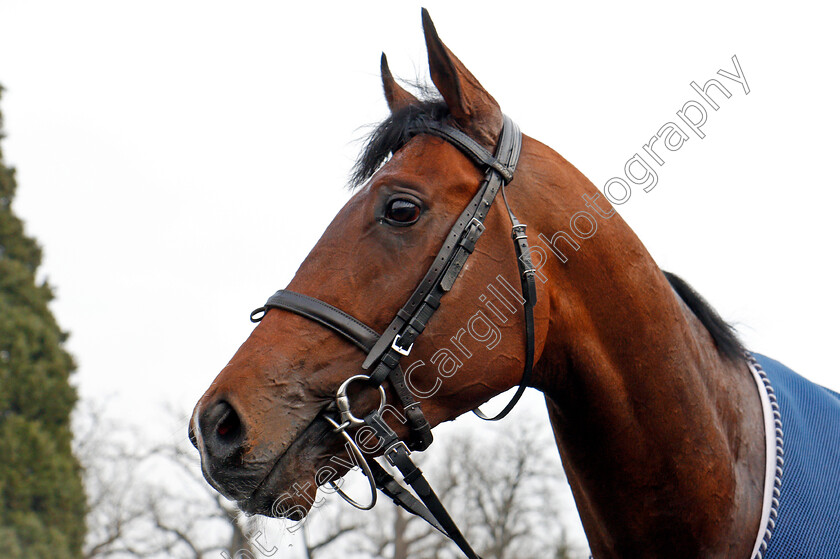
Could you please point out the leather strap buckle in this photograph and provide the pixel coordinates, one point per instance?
(392, 451)
(517, 232)
(478, 224)
(395, 345)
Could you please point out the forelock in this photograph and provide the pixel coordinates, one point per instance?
(390, 135)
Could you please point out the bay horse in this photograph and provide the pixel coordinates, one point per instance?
(670, 433)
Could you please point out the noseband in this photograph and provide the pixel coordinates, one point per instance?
(385, 351)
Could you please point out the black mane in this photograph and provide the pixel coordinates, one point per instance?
(721, 331)
(392, 134)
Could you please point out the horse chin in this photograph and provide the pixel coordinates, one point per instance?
(289, 489)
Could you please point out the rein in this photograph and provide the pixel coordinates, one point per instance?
(385, 351)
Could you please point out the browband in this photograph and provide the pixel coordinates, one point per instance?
(471, 148)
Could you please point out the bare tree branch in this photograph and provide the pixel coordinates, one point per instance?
(149, 501)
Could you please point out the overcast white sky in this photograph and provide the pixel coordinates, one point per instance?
(177, 160)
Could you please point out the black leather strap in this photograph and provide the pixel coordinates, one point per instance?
(473, 149)
(398, 455)
(529, 294)
(412, 318)
(325, 314)
(401, 496)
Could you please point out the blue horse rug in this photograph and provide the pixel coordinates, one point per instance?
(802, 487)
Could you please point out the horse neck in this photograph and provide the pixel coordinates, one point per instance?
(660, 436)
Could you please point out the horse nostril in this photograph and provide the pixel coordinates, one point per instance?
(221, 430)
(228, 427)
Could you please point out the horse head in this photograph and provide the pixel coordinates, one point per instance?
(261, 426)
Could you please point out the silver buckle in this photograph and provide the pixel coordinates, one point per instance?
(398, 349)
(478, 224)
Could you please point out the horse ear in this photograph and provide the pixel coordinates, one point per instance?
(470, 105)
(396, 96)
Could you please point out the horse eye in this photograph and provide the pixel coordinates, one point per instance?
(402, 211)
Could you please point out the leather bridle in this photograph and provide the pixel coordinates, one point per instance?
(385, 351)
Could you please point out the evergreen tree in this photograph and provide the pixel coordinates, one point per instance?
(42, 502)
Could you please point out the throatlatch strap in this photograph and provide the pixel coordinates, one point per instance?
(529, 293)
